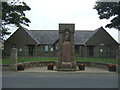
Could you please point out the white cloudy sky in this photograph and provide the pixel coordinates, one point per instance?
(47, 14)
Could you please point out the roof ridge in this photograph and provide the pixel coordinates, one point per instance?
(58, 30)
(84, 30)
(43, 30)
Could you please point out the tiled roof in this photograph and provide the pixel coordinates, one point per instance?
(44, 37)
(82, 36)
(51, 36)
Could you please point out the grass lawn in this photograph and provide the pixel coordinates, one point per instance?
(36, 59)
(104, 60)
(5, 61)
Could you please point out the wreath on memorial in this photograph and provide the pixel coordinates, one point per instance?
(50, 66)
(83, 65)
(112, 67)
(21, 66)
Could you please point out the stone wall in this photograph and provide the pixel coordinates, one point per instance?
(14, 58)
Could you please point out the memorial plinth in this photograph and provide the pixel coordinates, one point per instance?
(66, 47)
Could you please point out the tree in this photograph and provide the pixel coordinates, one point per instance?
(109, 10)
(13, 14)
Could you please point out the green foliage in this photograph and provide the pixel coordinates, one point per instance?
(14, 14)
(106, 10)
(0, 10)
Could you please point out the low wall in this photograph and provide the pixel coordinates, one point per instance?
(45, 63)
(95, 64)
(37, 63)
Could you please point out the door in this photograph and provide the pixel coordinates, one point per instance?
(91, 50)
(31, 50)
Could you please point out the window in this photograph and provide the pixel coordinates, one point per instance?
(77, 48)
(101, 50)
(56, 47)
(13, 45)
(46, 48)
(51, 49)
(20, 49)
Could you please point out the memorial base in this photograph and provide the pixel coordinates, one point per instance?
(67, 66)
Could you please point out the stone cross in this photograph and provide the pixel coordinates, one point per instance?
(66, 47)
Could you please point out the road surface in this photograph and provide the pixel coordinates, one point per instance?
(59, 80)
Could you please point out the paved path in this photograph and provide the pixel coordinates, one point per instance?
(87, 70)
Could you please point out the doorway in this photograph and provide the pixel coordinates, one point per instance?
(90, 51)
(31, 50)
